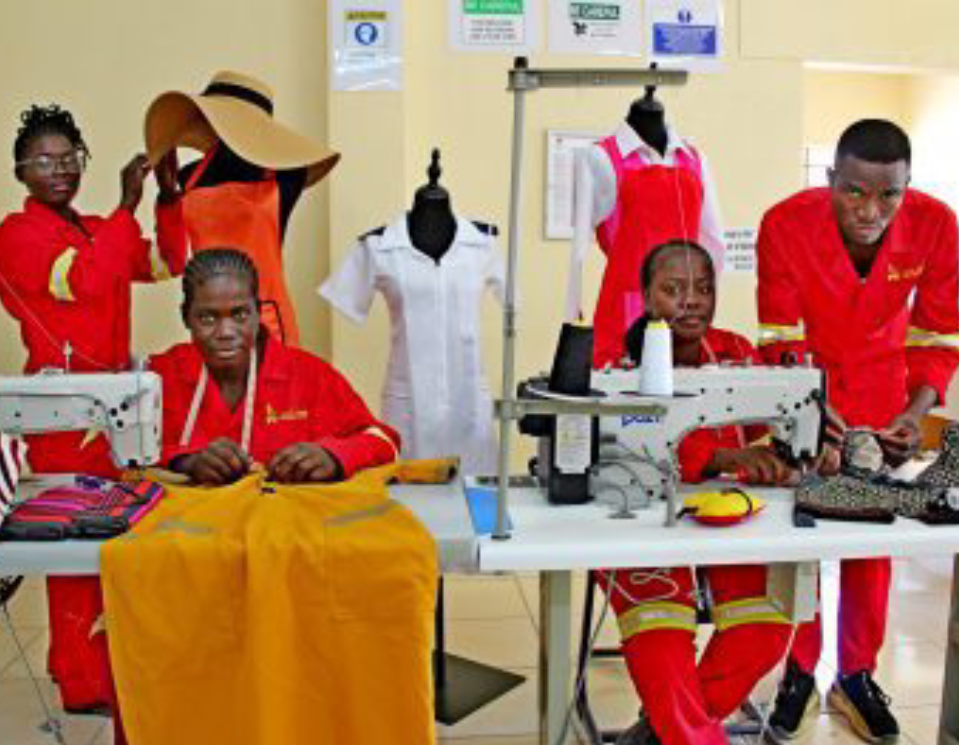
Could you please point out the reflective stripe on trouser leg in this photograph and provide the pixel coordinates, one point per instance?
(656, 615)
(744, 611)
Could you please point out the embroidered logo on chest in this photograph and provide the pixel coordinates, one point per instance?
(897, 274)
(289, 415)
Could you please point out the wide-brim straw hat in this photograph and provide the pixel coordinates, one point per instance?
(237, 109)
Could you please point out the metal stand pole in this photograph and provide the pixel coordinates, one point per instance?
(509, 306)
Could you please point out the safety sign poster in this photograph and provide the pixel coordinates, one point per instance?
(685, 33)
(366, 45)
(595, 27)
(494, 25)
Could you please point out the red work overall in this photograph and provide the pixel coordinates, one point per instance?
(878, 338)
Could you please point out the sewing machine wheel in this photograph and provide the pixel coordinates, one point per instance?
(8, 586)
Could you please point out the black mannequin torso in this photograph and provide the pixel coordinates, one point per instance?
(227, 166)
(431, 222)
(648, 118)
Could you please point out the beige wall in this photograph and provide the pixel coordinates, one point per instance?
(835, 99)
(107, 59)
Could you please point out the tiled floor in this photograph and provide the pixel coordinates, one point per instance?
(494, 620)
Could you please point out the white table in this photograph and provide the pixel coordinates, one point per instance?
(441, 508)
(557, 540)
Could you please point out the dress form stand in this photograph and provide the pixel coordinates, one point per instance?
(431, 222)
(648, 118)
(461, 685)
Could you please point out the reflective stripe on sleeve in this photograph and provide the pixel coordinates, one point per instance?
(59, 283)
(917, 337)
(745, 611)
(770, 333)
(377, 432)
(159, 269)
(656, 615)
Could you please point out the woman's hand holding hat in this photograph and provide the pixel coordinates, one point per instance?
(131, 182)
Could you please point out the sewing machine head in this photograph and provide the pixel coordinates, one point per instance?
(636, 450)
(125, 406)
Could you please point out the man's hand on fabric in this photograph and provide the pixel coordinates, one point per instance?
(900, 440)
(304, 462)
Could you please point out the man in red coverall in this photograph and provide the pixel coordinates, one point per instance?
(66, 278)
(863, 275)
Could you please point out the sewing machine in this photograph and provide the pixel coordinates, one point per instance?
(126, 406)
(637, 451)
(638, 435)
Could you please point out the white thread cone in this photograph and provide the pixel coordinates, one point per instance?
(656, 375)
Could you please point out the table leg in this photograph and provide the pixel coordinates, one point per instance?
(949, 718)
(555, 663)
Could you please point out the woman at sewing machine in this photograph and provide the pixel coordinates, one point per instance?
(685, 704)
(235, 397)
(66, 278)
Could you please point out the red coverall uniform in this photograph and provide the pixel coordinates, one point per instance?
(656, 611)
(655, 204)
(70, 286)
(878, 339)
(299, 398)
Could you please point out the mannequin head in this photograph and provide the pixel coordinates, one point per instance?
(431, 222)
(648, 118)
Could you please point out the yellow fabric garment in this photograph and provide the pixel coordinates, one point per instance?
(265, 614)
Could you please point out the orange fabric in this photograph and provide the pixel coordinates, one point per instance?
(245, 216)
(265, 614)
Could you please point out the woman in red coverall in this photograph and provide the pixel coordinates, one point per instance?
(235, 396)
(66, 278)
(685, 704)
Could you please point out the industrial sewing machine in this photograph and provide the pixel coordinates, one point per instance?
(125, 406)
(634, 461)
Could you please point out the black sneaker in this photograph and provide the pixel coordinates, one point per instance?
(860, 699)
(640, 733)
(797, 704)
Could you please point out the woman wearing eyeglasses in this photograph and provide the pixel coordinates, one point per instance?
(66, 278)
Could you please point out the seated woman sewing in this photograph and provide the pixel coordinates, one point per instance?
(235, 397)
(685, 704)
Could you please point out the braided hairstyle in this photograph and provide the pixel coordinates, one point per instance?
(217, 262)
(46, 120)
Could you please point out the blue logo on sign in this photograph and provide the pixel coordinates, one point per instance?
(366, 33)
(685, 15)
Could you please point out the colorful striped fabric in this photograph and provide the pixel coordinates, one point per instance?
(13, 455)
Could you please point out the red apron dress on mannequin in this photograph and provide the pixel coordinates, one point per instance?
(655, 204)
(245, 216)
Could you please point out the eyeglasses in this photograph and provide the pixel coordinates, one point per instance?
(74, 161)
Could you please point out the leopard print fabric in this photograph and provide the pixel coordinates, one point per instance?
(944, 471)
(856, 494)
